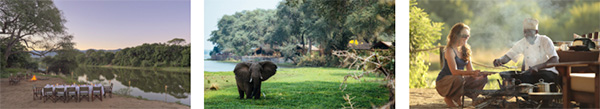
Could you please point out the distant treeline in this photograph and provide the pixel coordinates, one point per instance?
(146, 55)
(326, 24)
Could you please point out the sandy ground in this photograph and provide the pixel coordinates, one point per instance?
(21, 96)
(429, 98)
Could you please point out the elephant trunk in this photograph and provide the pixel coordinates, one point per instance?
(256, 88)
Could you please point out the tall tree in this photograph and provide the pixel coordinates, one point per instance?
(176, 41)
(27, 20)
(17, 59)
(65, 59)
(243, 30)
(369, 20)
(334, 13)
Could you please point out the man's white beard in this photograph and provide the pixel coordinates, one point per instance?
(530, 39)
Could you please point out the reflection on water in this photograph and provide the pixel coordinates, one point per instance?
(149, 84)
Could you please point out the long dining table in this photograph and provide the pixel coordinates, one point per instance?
(64, 87)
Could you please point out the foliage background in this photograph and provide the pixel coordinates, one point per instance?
(423, 33)
(496, 25)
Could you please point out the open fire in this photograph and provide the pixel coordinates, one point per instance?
(33, 78)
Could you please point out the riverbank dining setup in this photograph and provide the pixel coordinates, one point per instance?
(64, 92)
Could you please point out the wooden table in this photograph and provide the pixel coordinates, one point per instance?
(564, 69)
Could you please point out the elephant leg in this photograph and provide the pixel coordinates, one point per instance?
(248, 92)
(241, 92)
(256, 91)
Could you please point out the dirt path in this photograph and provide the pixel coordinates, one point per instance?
(21, 96)
(429, 98)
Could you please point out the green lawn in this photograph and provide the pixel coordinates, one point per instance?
(297, 88)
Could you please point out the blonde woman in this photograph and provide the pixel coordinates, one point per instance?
(457, 74)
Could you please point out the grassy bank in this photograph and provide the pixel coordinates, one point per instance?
(169, 69)
(297, 88)
(5, 73)
(14, 71)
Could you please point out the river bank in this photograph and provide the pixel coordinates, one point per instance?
(20, 96)
(169, 69)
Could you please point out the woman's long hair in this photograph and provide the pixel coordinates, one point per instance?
(453, 38)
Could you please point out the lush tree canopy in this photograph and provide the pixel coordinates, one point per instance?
(327, 24)
(243, 31)
(17, 60)
(30, 22)
(149, 55)
(65, 59)
(146, 55)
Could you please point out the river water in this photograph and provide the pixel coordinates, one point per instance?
(149, 84)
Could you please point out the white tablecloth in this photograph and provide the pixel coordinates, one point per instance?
(63, 87)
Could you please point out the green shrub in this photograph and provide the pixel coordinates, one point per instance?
(312, 61)
(423, 34)
(318, 61)
(146, 63)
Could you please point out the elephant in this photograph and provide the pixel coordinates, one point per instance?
(249, 77)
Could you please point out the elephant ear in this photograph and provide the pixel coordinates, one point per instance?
(241, 68)
(268, 69)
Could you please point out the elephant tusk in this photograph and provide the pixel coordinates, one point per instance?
(261, 77)
(250, 79)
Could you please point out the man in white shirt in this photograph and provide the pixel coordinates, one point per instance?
(538, 50)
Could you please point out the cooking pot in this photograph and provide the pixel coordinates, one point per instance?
(526, 88)
(543, 86)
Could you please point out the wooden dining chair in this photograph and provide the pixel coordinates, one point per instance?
(72, 93)
(13, 80)
(48, 94)
(595, 35)
(108, 89)
(84, 91)
(37, 93)
(97, 93)
(60, 94)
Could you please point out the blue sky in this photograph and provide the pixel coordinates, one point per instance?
(113, 24)
(215, 9)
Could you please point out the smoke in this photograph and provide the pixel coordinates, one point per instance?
(498, 24)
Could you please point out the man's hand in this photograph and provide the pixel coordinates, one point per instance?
(532, 70)
(536, 68)
(501, 61)
(497, 62)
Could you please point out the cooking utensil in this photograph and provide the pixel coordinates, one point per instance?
(511, 67)
(526, 88)
(487, 73)
(543, 86)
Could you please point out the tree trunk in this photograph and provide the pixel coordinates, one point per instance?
(303, 44)
(8, 50)
(309, 46)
